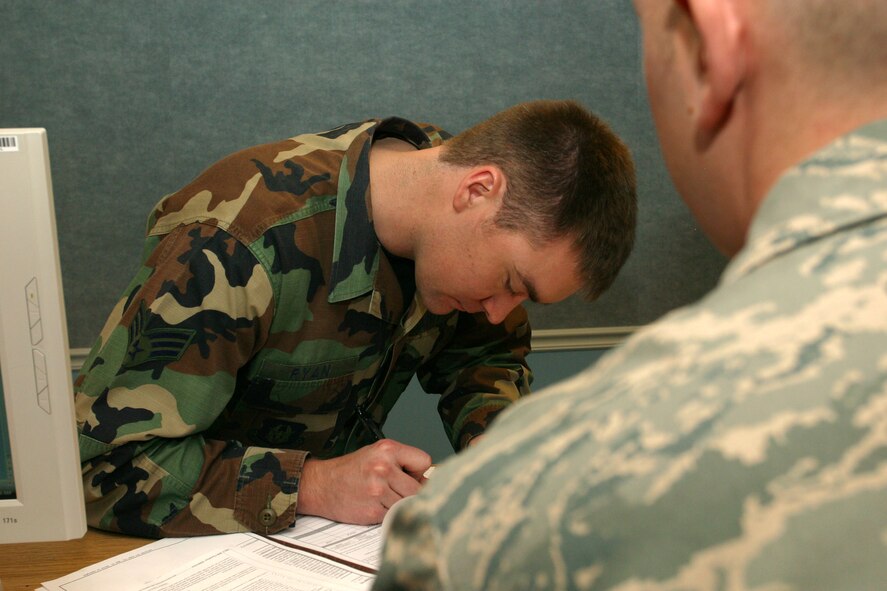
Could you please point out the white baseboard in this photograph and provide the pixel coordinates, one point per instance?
(78, 356)
(564, 339)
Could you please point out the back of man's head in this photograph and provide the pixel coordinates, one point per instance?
(841, 44)
(742, 90)
(567, 175)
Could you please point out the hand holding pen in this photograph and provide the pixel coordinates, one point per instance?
(361, 486)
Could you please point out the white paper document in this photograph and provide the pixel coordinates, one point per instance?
(356, 543)
(316, 555)
(134, 569)
(262, 565)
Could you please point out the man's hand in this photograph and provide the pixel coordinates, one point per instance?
(360, 487)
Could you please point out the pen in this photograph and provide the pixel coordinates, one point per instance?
(369, 423)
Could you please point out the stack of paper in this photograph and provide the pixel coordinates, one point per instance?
(316, 555)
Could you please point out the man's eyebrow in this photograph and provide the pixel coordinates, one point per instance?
(528, 285)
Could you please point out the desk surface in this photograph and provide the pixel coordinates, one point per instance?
(24, 567)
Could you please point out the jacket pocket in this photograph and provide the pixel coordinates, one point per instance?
(298, 406)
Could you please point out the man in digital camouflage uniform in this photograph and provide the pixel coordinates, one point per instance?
(739, 443)
(290, 292)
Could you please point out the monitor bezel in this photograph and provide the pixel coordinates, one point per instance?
(45, 457)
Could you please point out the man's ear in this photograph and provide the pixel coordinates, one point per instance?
(721, 61)
(480, 184)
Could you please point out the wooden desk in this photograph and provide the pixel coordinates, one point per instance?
(23, 567)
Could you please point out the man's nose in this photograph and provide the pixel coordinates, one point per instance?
(499, 306)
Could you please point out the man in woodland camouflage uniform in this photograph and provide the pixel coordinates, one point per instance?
(289, 294)
(739, 443)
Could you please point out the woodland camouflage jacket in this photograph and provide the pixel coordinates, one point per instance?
(264, 315)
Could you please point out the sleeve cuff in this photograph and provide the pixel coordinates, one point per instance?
(267, 492)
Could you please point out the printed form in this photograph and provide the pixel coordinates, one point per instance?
(357, 543)
(315, 555)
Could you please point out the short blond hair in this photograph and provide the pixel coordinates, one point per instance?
(844, 41)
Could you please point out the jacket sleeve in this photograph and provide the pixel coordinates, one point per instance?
(159, 375)
(480, 372)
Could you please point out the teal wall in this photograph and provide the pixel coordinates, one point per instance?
(414, 419)
(139, 96)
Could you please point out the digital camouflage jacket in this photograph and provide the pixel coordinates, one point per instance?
(264, 317)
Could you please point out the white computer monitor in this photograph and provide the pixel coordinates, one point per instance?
(41, 492)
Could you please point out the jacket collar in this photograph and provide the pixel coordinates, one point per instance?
(840, 186)
(356, 248)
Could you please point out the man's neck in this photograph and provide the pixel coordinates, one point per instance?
(798, 121)
(398, 186)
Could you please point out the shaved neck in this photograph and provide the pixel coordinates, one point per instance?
(406, 185)
(816, 73)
